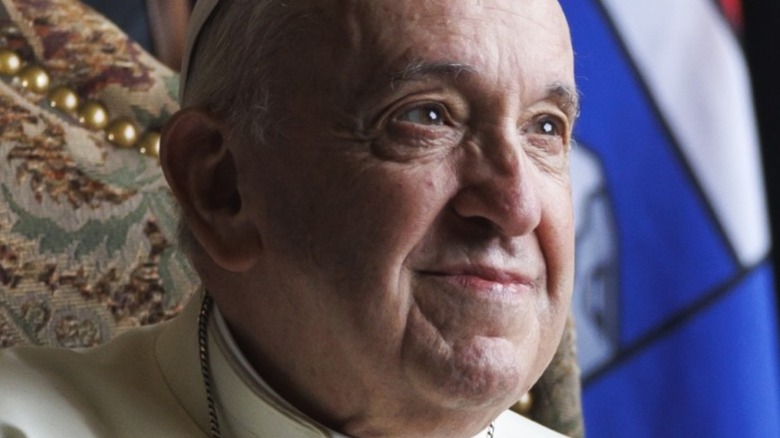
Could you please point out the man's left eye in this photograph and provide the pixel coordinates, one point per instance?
(424, 115)
(548, 126)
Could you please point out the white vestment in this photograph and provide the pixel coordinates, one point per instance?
(148, 383)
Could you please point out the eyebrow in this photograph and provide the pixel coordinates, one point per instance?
(565, 96)
(418, 70)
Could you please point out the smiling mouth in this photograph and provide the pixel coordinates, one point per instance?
(483, 280)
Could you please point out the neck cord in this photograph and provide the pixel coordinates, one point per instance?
(205, 367)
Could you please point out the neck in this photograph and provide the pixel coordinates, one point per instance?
(348, 408)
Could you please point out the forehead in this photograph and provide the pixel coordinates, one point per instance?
(496, 37)
(467, 15)
(344, 56)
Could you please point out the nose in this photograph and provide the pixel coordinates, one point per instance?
(500, 184)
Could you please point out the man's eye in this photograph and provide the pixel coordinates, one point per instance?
(424, 115)
(549, 133)
(548, 126)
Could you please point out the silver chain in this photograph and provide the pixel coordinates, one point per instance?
(205, 367)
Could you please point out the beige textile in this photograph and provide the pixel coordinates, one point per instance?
(87, 229)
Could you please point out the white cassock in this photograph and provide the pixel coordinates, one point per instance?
(148, 383)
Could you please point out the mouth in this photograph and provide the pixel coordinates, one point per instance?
(483, 280)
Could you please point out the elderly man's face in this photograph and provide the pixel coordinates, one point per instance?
(413, 202)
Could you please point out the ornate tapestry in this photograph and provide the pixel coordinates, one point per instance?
(86, 227)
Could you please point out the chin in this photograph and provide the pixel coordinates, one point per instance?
(479, 374)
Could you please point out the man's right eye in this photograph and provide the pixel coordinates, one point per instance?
(429, 114)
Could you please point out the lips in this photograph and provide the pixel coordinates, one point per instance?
(482, 279)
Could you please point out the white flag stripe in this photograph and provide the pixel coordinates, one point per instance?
(695, 70)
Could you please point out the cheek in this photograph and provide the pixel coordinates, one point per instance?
(380, 214)
(556, 237)
(368, 225)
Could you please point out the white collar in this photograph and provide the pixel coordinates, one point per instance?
(237, 382)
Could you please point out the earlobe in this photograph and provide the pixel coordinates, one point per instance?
(201, 169)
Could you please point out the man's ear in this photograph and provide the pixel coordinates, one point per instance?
(201, 170)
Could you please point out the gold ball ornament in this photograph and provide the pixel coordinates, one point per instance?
(149, 144)
(10, 62)
(93, 115)
(122, 133)
(64, 99)
(35, 79)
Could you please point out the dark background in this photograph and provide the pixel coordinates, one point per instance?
(130, 15)
(761, 40)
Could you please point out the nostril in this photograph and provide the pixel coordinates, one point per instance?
(482, 226)
(474, 228)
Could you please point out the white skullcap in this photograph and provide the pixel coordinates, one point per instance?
(200, 15)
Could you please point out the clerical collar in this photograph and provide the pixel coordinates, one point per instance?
(229, 350)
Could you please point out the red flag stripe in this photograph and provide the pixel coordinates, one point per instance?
(733, 11)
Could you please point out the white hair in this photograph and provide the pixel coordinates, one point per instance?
(228, 73)
(229, 70)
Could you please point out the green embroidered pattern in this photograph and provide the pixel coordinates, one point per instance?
(86, 229)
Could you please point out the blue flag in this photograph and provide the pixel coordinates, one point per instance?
(674, 298)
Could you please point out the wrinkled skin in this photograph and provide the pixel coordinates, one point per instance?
(413, 262)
